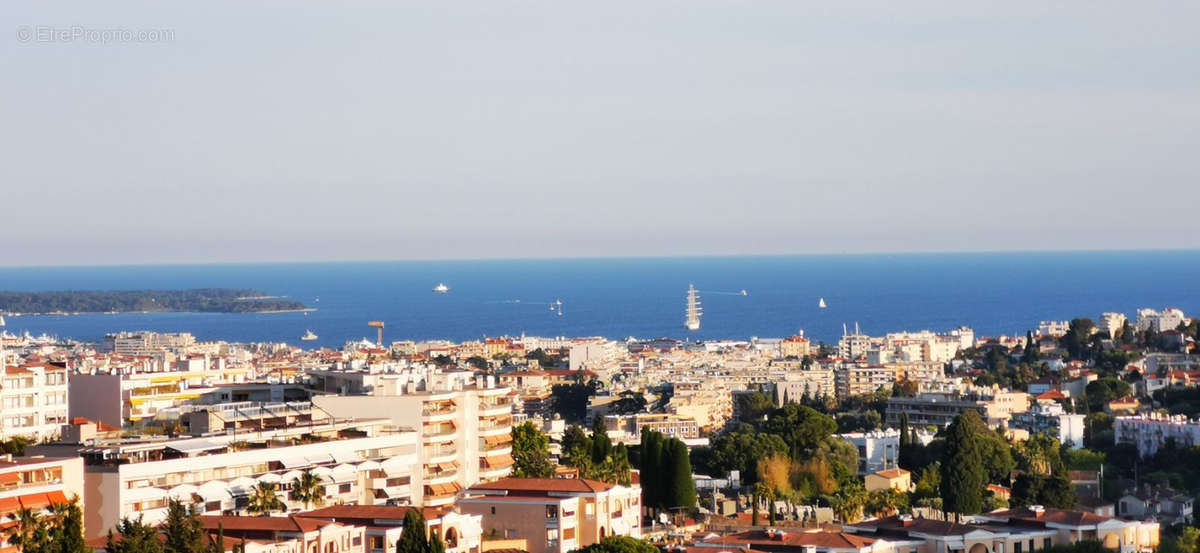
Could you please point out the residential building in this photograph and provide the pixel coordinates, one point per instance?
(556, 515)
(1160, 321)
(1150, 432)
(772, 540)
(1053, 328)
(145, 343)
(1048, 417)
(857, 380)
(632, 426)
(287, 534)
(361, 461)
(35, 483)
(795, 346)
(33, 401)
(1111, 323)
(118, 398)
(995, 406)
(459, 532)
(465, 430)
(893, 478)
(813, 383)
(877, 450)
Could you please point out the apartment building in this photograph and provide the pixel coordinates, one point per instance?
(361, 462)
(795, 346)
(1023, 530)
(1056, 329)
(287, 534)
(1150, 432)
(877, 450)
(995, 406)
(465, 427)
(461, 533)
(1160, 321)
(145, 343)
(813, 383)
(1048, 417)
(556, 515)
(1111, 323)
(629, 428)
(35, 483)
(33, 401)
(855, 380)
(119, 398)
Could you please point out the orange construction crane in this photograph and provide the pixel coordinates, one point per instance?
(378, 325)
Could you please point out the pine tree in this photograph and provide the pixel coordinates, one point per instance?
(183, 531)
(601, 444)
(963, 474)
(134, 537)
(67, 534)
(436, 545)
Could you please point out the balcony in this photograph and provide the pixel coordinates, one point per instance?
(439, 433)
(494, 409)
(443, 474)
(439, 413)
(440, 454)
(495, 428)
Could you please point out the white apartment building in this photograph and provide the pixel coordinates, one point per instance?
(1160, 321)
(145, 343)
(465, 428)
(1053, 328)
(33, 401)
(1150, 432)
(120, 397)
(1110, 323)
(877, 450)
(1048, 417)
(361, 462)
(35, 483)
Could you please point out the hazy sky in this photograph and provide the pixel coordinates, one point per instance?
(292, 131)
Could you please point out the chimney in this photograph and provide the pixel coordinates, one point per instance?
(1037, 510)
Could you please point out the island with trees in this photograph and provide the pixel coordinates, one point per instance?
(196, 300)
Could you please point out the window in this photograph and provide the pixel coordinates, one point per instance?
(493, 510)
(1030, 545)
(568, 533)
(510, 534)
(551, 511)
(1017, 547)
(376, 542)
(1045, 543)
(344, 488)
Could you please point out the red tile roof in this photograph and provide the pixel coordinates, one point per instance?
(542, 486)
(839, 540)
(293, 523)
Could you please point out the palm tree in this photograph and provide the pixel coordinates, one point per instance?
(263, 500)
(307, 488)
(24, 534)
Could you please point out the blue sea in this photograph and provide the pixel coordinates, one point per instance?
(993, 293)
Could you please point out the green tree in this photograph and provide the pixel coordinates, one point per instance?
(67, 532)
(576, 448)
(802, 428)
(263, 500)
(681, 487)
(182, 530)
(601, 444)
(29, 532)
(741, 451)
(652, 476)
(531, 452)
(308, 489)
(413, 537)
(618, 544)
(436, 545)
(1077, 338)
(963, 476)
(1030, 355)
(133, 537)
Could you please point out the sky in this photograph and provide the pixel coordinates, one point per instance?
(288, 131)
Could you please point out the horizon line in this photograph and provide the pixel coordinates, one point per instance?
(597, 257)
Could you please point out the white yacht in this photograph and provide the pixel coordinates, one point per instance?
(441, 288)
(308, 336)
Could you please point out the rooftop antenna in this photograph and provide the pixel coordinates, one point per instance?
(844, 330)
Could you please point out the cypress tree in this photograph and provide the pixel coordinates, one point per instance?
(905, 439)
(183, 531)
(651, 475)
(962, 472)
(682, 487)
(412, 537)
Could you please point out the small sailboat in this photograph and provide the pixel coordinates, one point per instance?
(744, 293)
(441, 288)
(308, 336)
(821, 303)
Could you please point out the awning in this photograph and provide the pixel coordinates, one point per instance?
(194, 446)
(446, 467)
(240, 485)
(346, 457)
(319, 459)
(368, 465)
(269, 477)
(141, 494)
(395, 467)
(498, 461)
(57, 497)
(293, 462)
(183, 492)
(10, 479)
(9, 505)
(213, 490)
(495, 440)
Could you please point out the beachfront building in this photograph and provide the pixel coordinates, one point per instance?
(464, 422)
(33, 401)
(1150, 432)
(556, 515)
(359, 461)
